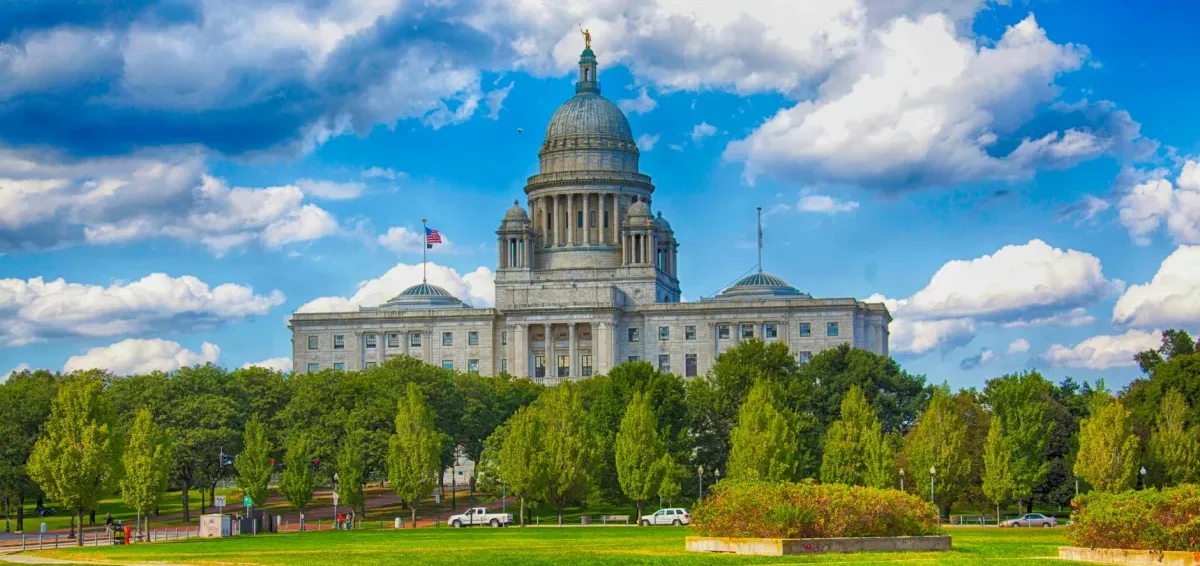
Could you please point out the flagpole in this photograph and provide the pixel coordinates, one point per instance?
(424, 247)
(760, 239)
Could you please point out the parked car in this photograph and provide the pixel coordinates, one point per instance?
(479, 516)
(675, 516)
(1032, 520)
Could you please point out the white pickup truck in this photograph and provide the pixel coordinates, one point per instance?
(480, 516)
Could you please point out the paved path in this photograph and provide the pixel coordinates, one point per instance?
(13, 558)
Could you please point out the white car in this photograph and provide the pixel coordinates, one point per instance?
(674, 516)
(479, 516)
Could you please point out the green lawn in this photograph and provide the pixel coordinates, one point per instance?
(577, 546)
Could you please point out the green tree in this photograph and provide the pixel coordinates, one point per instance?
(765, 445)
(147, 466)
(1108, 449)
(566, 444)
(519, 460)
(76, 461)
(669, 488)
(25, 401)
(202, 414)
(856, 452)
(1173, 445)
(896, 396)
(939, 443)
(639, 452)
(351, 469)
(997, 477)
(1021, 403)
(254, 464)
(299, 478)
(414, 450)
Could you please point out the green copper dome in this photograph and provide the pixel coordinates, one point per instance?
(760, 286)
(422, 296)
(425, 290)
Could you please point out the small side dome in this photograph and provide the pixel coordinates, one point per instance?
(638, 209)
(421, 296)
(661, 223)
(760, 286)
(515, 216)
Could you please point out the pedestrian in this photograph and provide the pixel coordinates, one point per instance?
(340, 518)
(350, 525)
(108, 524)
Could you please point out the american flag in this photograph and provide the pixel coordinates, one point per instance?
(432, 237)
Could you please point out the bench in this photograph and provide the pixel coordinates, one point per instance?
(614, 518)
(965, 519)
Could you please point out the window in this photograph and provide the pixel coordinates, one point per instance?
(606, 219)
(770, 330)
(664, 363)
(339, 366)
(805, 329)
(447, 338)
(585, 362)
(689, 365)
(831, 329)
(664, 332)
(472, 366)
(634, 359)
(633, 335)
(579, 219)
(723, 331)
(592, 219)
(447, 364)
(504, 338)
(472, 338)
(314, 368)
(313, 341)
(370, 365)
(370, 341)
(564, 366)
(689, 333)
(393, 340)
(804, 357)
(539, 366)
(504, 366)
(339, 342)
(747, 331)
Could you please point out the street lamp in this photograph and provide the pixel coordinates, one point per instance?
(700, 478)
(335, 497)
(717, 474)
(1143, 474)
(932, 476)
(901, 479)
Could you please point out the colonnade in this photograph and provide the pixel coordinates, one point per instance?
(556, 218)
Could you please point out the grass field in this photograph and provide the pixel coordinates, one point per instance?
(575, 546)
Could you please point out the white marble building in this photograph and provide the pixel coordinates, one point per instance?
(590, 267)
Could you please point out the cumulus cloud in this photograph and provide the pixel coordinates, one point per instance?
(36, 310)
(283, 365)
(1018, 346)
(330, 190)
(476, 288)
(701, 131)
(646, 142)
(383, 173)
(1156, 202)
(1171, 298)
(20, 368)
(135, 356)
(984, 357)
(1103, 351)
(824, 204)
(639, 105)
(401, 239)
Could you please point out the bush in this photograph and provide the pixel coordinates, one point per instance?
(753, 509)
(1138, 520)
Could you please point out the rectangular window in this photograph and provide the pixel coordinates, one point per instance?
(633, 335)
(339, 366)
(689, 365)
(447, 364)
(313, 342)
(585, 362)
(539, 366)
(805, 329)
(579, 219)
(314, 368)
(370, 341)
(504, 366)
(747, 331)
(447, 338)
(564, 366)
(503, 337)
(723, 331)
(414, 339)
(339, 342)
(634, 359)
(592, 219)
(664, 363)
(472, 338)
(770, 330)
(664, 332)
(472, 366)
(689, 333)
(606, 219)
(370, 365)
(393, 340)
(804, 357)
(831, 329)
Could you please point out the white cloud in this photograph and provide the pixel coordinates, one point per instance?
(824, 204)
(401, 239)
(330, 190)
(37, 310)
(1171, 298)
(283, 365)
(1077, 316)
(20, 368)
(1155, 202)
(1103, 351)
(640, 105)
(135, 356)
(1018, 346)
(383, 173)
(477, 288)
(921, 336)
(983, 358)
(646, 142)
(701, 131)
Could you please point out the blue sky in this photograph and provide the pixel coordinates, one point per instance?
(1015, 180)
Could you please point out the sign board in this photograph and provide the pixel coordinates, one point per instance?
(219, 501)
(246, 501)
(437, 497)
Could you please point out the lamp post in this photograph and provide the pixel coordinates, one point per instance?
(700, 478)
(335, 497)
(717, 475)
(1142, 472)
(932, 477)
(901, 479)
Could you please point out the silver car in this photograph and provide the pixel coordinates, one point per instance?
(1032, 520)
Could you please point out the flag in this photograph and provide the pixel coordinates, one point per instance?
(432, 237)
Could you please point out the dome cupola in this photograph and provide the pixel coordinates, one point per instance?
(421, 296)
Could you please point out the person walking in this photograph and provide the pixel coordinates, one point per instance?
(340, 518)
(108, 524)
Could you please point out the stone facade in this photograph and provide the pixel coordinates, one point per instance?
(591, 267)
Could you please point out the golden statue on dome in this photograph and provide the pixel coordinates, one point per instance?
(587, 37)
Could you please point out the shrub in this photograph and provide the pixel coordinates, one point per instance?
(1138, 520)
(755, 509)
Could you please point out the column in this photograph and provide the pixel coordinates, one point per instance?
(573, 352)
(551, 362)
(521, 251)
(552, 222)
(600, 230)
(712, 330)
(427, 344)
(503, 244)
(587, 219)
(616, 221)
(405, 345)
(571, 211)
(736, 333)
(520, 358)
(613, 349)
(624, 250)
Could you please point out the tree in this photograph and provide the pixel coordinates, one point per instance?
(255, 464)
(639, 452)
(299, 477)
(896, 396)
(939, 442)
(1020, 401)
(76, 462)
(997, 477)
(414, 450)
(856, 452)
(519, 463)
(669, 488)
(147, 466)
(765, 445)
(566, 444)
(203, 417)
(351, 469)
(1108, 449)
(25, 401)
(1173, 445)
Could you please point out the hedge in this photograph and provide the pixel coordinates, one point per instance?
(810, 510)
(1138, 520)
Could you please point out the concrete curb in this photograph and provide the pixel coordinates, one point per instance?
(791, 546)
(1129, 557)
